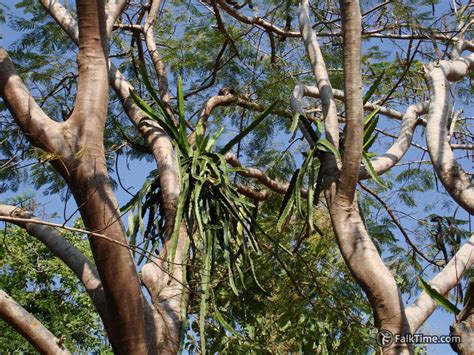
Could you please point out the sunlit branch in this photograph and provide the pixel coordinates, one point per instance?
(418, 312)
(70, 255)
(160, 70)
(320, 74)
(458, 184)
(27, 113)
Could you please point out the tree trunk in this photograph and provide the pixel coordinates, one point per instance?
(91, 188)
(370, 272)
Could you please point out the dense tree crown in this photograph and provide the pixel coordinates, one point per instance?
(308, 175)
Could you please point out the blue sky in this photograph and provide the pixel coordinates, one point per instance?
(134, 174)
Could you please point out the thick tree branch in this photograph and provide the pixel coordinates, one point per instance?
(458, 184)
(163, 153)
(90, 108)
(320, 73)
(86, 173)
(155, 137)
(418, 312)
(410, 119)
(148, 30)
(168, 291)
(113, 9)
(357, 248)
(70, 255)
(351, 29)
(35, 124)
(395, 153)
(62, 16)
(369, 270)
(28, 326)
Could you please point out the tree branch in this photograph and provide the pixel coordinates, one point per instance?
(148, 30)
(395, 153)
(410, 119)
(70, 255)
(87, 176)
(155, 137)
(90, 109)
(257, 21)
(257, 174)
(35, 124)
(261, 195)
(458, 184)
(376, 33)
(418, 312)
(357, 248)
(351, 29)
(61, 15)
(320, 73)
(312, 91)
(28, 326)
(113, 9)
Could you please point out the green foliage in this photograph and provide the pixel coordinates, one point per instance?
(304, 310)
(247, 130)
(45, 287)
(217, 218)
(373, 88)
(230, 244)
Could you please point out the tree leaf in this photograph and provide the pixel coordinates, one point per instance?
(205, 280)
(294, 122)
(373, 87)
(326, 146)
(310, 197)
(213, 140)
(439, 298)
(368, 144)
(137, 146)
(288, 200)
(299, 181)
(219, 316)
(370, 125)
(371, 170)
(151, 89)
(183, 137)
(228, 258)
(137, 197)
(315, 135)
(248, 129)
(160, 118)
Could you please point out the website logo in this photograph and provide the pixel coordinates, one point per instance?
(384, 338)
